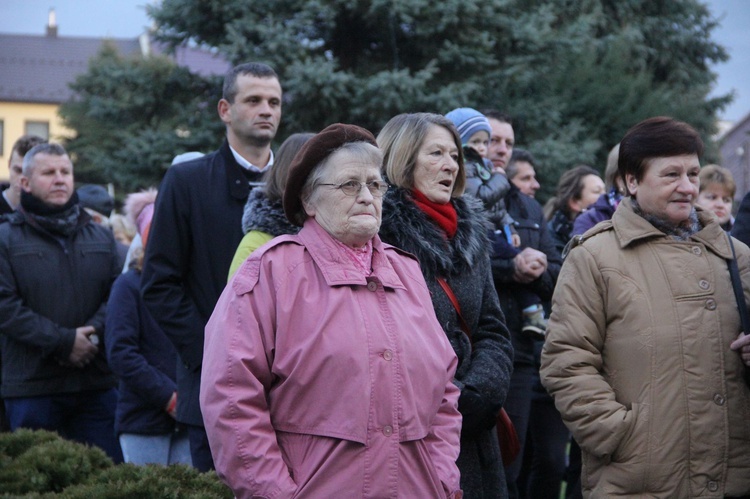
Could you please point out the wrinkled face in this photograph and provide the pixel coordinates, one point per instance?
(436, 166)
(525, 179)
(254, 116)
(15, 165)
(51, 179)
(716, 199)
(501, 143)
(593, 187)
(353, 220)
(480, 142)
(669, 187)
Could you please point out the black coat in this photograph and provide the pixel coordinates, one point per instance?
(741, 228)
(143, 358)
(195, 232)
(49, 286)
(534, 233)
(484, 369)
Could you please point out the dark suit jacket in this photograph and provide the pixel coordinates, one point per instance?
(195, 232)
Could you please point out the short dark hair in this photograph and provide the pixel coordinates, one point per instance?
(257, 69)
(657, 137)
(25, 143)
(49, 148)
(497, 115)
(518, 155)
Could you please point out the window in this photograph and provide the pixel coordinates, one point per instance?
(40, 128)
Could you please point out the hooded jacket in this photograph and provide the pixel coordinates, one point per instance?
(485, 362)
(321, 382)
(637, 359)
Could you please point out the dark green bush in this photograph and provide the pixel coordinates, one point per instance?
(41, 464)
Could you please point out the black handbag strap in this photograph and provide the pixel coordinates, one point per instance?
(739, 294)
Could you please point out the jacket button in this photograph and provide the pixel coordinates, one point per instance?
(712, 486)
(388, 355)
(387, 430)
(711, 304)
(696, 250)
(703, 284)
(372, 286)
(238, 182)
(719, 399)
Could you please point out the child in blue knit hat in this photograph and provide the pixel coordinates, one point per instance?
(491, 187)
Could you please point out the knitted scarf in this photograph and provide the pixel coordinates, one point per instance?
(680, 232)
(443, 214)
(60, 220)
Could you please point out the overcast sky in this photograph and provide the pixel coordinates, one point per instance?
(128, 19)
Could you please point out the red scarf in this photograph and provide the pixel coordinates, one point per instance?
(443, 214)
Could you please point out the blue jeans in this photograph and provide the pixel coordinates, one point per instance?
(166, 449)
(85, 417)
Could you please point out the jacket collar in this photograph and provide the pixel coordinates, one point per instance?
(341, 271)
(631, 228)
(239, 186)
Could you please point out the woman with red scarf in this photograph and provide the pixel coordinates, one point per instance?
(425, 214)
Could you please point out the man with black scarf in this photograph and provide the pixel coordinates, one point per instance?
(56, 270)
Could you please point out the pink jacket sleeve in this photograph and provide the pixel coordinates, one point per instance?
(235, 380)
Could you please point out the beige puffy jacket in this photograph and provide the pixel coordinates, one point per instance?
(637, 359)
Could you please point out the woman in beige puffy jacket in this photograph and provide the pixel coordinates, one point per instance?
(638, 355)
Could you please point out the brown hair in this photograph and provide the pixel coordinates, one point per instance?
(569, 187)
(657, 137)
(275, 177)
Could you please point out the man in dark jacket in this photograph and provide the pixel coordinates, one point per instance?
(56, 270)
(197, 227)
(535, 268)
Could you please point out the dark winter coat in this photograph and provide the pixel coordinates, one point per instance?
(5, 208)
(49, 286)
(484, 369)
(196, 228)
(600, 211)
(741, 228)
(531, 226)
(560, 227)
(492, 188)
(143, 358)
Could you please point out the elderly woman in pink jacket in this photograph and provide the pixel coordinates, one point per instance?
(326, 372)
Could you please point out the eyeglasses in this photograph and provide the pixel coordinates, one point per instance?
(353, 187)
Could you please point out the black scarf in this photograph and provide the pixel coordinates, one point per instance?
(59, 220)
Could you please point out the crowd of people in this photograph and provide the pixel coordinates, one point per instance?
(357, 314)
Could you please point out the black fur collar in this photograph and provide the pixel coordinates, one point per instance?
(409, 228)
(265, 216)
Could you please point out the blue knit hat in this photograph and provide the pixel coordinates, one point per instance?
(469, 121)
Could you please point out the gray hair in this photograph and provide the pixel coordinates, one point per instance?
(48, 148)
(358, 151)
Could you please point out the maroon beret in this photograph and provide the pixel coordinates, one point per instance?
(311, 154)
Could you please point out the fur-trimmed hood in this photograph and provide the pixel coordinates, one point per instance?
(266, 216)
(409, 228)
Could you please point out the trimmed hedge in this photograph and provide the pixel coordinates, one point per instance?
(41, 464)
